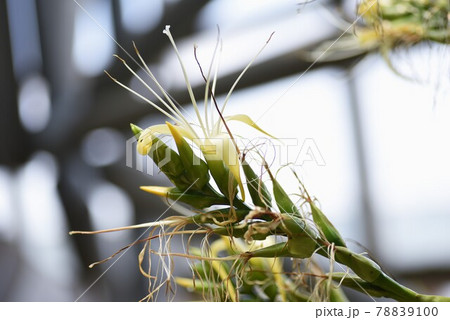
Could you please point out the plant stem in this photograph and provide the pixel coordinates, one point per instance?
(376, 282)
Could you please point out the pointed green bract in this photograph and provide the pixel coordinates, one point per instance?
(197, 200)
(324, 225)
(302, 247)
(223, 177)
(294, 226)
(221, 163)
(231, 160)
(284, 203)
(196, 170)
(136, 130)
(258, 191)
(167, 160)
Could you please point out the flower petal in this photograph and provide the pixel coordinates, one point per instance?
(146, 137)
(196, 169)
(248, 121)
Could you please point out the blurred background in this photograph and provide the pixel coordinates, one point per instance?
(381, 172)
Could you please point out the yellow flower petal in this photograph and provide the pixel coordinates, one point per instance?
(159, 191)
(231, 160)
(146, 137)
(248, 121)
(221, 148)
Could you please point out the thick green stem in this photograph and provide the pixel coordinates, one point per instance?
(365, 287)
(379, 281)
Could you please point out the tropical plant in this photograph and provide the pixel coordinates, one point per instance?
(262, 247)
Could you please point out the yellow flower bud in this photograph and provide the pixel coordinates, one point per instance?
(145, 141)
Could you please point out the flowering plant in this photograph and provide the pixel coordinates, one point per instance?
(246, 243)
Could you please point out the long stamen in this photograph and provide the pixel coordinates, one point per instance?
(183, 255)
(175, 114)
(206, 91)
(244, 71)
(173, 108)
(154, 105)
(209, 79)
(135, 226)
(188, 84)
(213, 88)
(216, 105)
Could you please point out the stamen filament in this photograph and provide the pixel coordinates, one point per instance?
(244, 71)
(173, 108)
(186, 78)
(213, 89)
(209, 80)
(154, 105)
(135, 226)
